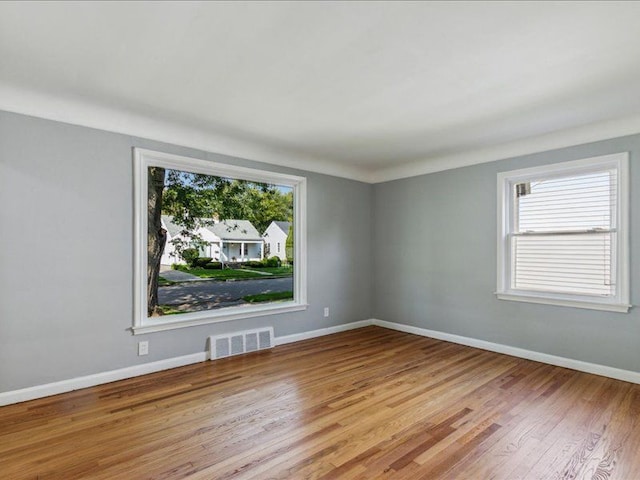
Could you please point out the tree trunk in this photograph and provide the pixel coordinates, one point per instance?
(156, 236)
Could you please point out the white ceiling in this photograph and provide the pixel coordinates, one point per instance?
(371, 91)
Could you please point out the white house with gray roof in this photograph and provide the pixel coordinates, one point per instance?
(275, 239)
(239, 240)
(227, 241)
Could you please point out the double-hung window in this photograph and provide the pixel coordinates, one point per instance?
(563, 234)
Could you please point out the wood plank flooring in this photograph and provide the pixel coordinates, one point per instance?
(367, 404)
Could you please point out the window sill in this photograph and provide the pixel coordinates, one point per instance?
(203, 318)
(607, 307)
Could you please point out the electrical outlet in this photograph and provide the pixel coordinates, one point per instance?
(143, 348)
(326, 311)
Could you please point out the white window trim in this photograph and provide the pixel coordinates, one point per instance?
(619, 303)
(145, 158)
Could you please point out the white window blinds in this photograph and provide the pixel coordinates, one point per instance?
(564, 233)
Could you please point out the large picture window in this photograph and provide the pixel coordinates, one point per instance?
(203, 242)
(562, 234)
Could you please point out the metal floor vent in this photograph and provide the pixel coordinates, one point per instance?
(240, 342)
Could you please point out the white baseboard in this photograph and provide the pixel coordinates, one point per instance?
(617, 373)
(64, 386)
(321, 332)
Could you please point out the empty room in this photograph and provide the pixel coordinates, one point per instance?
(319, 240)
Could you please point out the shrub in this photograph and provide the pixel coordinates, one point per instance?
(290, 261)
(190, 255)
(202, 261)
(274, 262)
(255, 264)
(213, 266)
(182, 268)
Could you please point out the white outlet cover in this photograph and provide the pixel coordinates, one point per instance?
(143, 348)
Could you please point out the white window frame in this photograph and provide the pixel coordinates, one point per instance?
(506, 220)
(142, 160)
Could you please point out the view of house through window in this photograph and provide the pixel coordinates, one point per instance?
(214, 242)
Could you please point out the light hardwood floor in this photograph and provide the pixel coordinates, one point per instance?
(364, 404)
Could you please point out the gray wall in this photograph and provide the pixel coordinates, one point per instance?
(66, 243)
(435, 245)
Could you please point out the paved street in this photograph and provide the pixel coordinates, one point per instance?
(205, 295)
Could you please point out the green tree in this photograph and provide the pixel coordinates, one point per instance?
(260, 204)
(156, 235)
(289, 244)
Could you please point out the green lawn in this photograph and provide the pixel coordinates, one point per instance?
(221, 274)
(163, 282)
(273, 270)
(268, 297)
(168, 310)
(229, 273)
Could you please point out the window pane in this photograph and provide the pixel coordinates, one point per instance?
(580, 202)
(575, 264)
(206, 242)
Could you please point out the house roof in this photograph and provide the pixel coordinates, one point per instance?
(171, 227)
(284, 226)
(235, 230)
